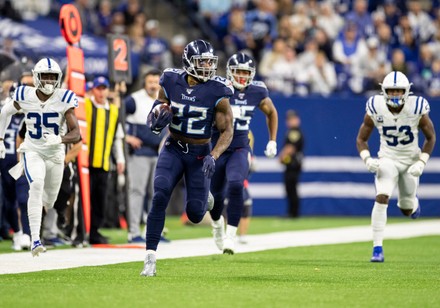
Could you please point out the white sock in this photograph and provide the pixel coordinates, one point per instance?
(35, 208)
(378, 222)
(231, 231)
(217, 223)
(149, 251)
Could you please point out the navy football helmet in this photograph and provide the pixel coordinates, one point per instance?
(237, 64)
(199, 60)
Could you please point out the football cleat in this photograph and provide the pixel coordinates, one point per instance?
(210, 202)
(149, 266)
(416, 214)
(228, 245)
(218, 232)
(37, 248)
(16, 241)
(25, 241)
(377, 254)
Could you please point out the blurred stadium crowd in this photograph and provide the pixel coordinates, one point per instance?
(302, 47)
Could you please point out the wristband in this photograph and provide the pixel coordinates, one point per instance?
(365, 154)
(424, 157)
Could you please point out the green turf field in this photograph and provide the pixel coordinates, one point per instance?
(319, 276)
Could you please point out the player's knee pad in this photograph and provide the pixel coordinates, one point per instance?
(235, 188)
(36, 188)
(407, 203)
(162, 191)
(195, 209)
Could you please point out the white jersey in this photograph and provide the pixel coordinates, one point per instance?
(44, 117)
(399, 133)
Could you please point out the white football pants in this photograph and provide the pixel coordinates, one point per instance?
(44, 177)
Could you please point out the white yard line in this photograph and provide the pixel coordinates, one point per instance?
(12, 263)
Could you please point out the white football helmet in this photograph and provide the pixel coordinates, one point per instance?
(47, 66)
(396, 80)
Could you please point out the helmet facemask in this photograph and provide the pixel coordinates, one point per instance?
(396, 80)
(47, 76)
(236, 74)
(47, 84)
(202, 67)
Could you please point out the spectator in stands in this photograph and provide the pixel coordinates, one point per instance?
(433, 83)
(361, 17)
(130, 9)
(236, 38)
(178, 43)
(287, 75)
(369, 70)
(104, 134)
(156, 52)
(329, 20)
(322, 75)
(270, 57)
(261, 24)
(420, 21)
(347, 49)
(89, 17)
(387, 42)
(118, 23)
(31, 9)
(105, 16)
(398, 62)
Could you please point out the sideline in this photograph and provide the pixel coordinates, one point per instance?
(23, 262)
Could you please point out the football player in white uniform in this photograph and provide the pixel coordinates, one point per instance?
(398, 118)
(46, 108)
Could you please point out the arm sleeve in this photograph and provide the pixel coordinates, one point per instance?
(5, 116)
(118, 145)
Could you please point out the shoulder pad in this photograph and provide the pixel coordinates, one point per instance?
(259, 83)
(19, 93)
(173, 71)
(223, 81)
(69, 97)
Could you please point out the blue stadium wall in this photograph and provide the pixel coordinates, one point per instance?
(334, 180)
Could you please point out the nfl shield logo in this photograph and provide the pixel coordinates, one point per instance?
(189, 91)
(379, 119)
(241, 95)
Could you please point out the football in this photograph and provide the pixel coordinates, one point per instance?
(165, 106)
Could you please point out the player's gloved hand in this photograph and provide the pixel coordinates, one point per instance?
(52, 139)
(208, 166)
(271, 149)
(161, 121)
(416, 169)
(2, 150)
(371, 163)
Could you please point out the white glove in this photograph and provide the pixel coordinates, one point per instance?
(52, 139)
(2, 150)
(271, 149)
(372, 164)
(416, 169)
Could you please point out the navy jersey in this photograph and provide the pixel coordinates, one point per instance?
(10, 137)
(243, 105)
(193, 107)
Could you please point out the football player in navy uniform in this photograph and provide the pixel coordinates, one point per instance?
(198, 99)
(232, 167)
(46, 108)
(14, 191)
